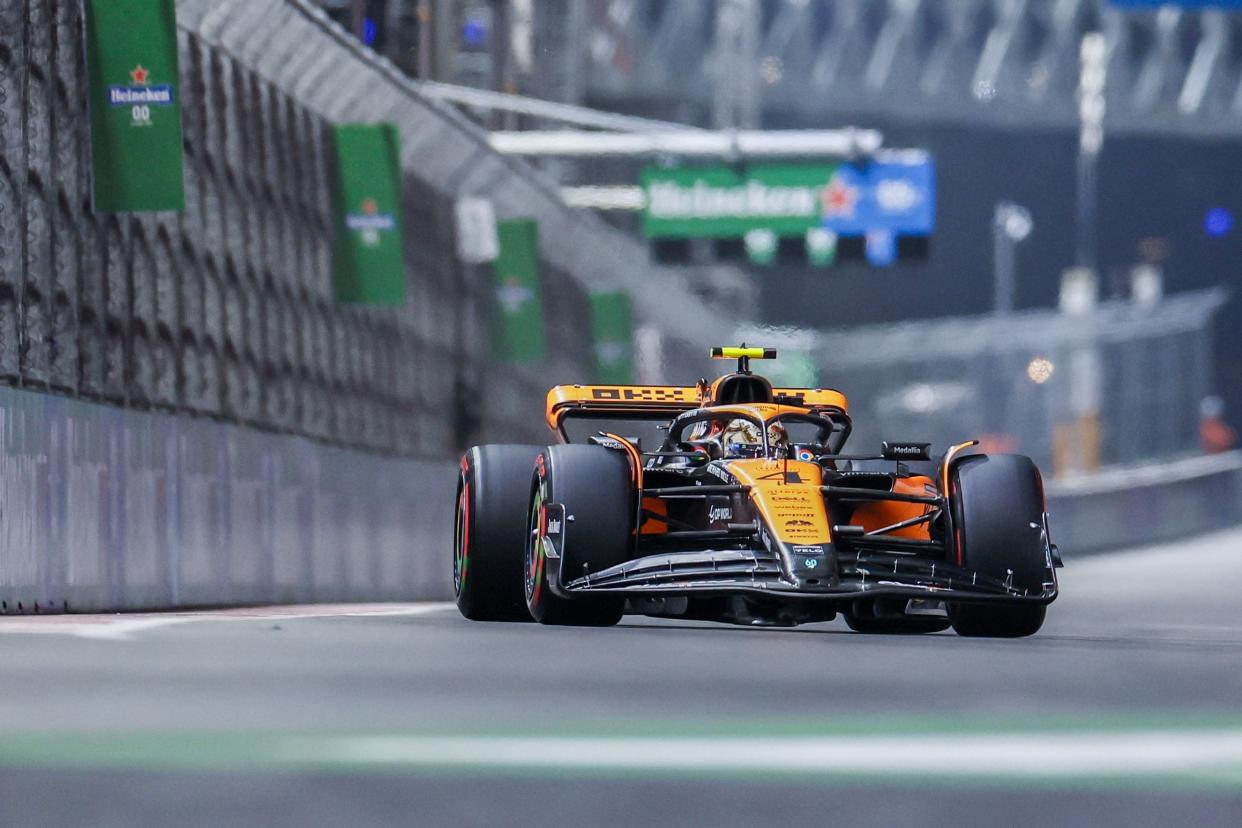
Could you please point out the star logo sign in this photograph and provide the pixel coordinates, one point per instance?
(140, 76)
(513, 295)
(839, 198)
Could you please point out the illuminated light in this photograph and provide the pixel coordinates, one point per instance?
(1218, 222)
(1040, 370)
(771, 69)
(984, 91)
(474, 32)
(369, 31)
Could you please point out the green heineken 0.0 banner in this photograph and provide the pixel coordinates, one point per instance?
(370, 265)
(612, 330)
(518, 333)
(131, 59)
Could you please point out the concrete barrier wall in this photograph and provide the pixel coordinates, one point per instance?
(1131, 507)
(103, 508)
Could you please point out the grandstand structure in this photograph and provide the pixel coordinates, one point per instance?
(1006, 62)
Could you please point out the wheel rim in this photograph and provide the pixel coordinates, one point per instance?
(534, 549)
(461, 538)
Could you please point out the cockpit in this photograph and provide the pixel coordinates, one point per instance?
(730, 433)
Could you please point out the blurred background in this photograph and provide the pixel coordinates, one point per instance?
(1011, 220)
(1059, 299)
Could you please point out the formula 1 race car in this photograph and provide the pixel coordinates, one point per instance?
(734, 502)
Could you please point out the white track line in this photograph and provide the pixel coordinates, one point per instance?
(123, 627)
(994, 755)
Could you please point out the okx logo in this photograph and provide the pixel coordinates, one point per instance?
(139, 95)
(369, 222)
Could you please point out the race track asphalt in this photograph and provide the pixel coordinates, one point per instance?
(1125, 710)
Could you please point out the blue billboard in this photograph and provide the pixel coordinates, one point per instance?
(893, 195)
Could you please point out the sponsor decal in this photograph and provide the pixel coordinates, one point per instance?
(806, 455)
(369, 222)
(554, 527)
(141, 95)
(742, 201)
(808, 550)
(798, 523)
(839, 199)
(720, 472)
(719, 513)
(811, 563)
(910, 451)
(642, 394)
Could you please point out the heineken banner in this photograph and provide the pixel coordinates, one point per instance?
(370, 263)
(518, 332)
(612, 330)
(135, 106)
(894, 193)
(728, 202)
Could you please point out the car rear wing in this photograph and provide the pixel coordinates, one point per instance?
(642, 401)
(648, 401)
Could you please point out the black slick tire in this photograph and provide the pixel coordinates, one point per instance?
(595, 486)
(895, 626)
(998, 518)
(489, 538)
(862, 617)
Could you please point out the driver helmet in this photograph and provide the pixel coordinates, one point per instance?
(778, 440)
(741, 438)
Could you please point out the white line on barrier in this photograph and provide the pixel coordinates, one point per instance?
(123, 627)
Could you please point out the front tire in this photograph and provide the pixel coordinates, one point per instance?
(489, 538)
(998, 515)
(867, 617)
(595, 487)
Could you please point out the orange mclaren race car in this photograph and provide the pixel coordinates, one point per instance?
(732, 501)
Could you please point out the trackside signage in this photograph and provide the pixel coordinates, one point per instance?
(612, 328)
(517, 335)
(136, 143)
(893, 194)
(370, 262)
(724, 202)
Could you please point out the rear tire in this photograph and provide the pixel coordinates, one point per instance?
(489, 538)
(595, 486)
(998, 515)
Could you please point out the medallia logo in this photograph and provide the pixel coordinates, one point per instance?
(140, 91)
(369, 222)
